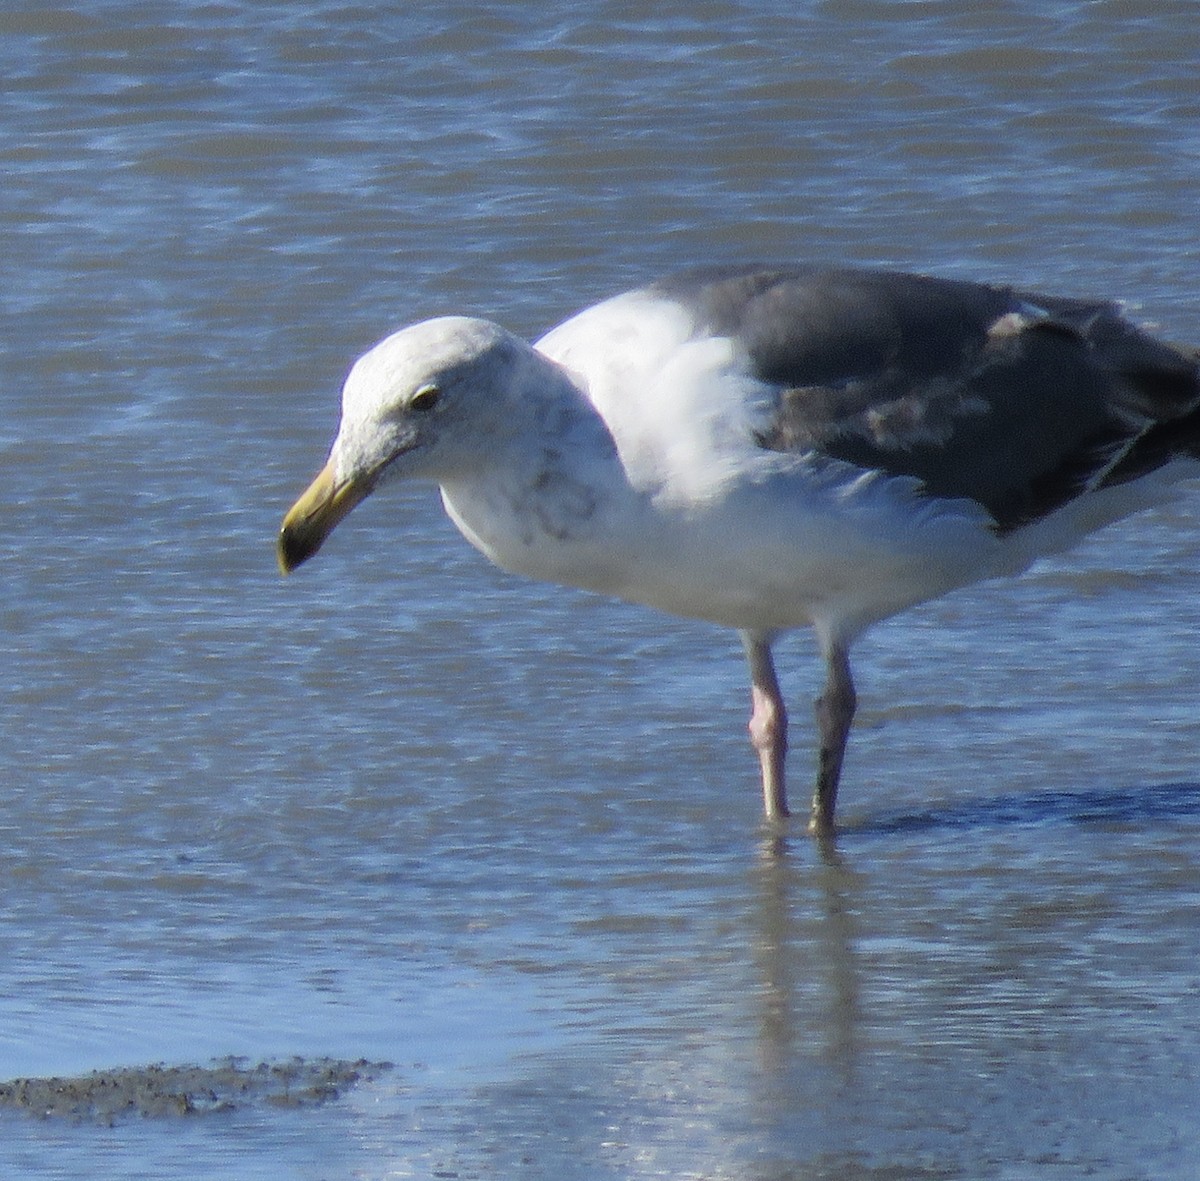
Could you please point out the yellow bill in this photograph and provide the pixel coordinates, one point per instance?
(315, 515)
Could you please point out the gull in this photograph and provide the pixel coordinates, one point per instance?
(767, 448)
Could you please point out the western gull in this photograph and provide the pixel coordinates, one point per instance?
(770, 447)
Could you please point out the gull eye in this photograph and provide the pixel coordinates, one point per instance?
(426, 398)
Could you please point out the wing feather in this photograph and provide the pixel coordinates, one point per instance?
(1018, 401)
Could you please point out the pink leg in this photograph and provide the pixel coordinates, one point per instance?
(835, 712)
(768, 723)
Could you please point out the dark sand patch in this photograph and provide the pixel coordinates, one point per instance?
(228, 1084)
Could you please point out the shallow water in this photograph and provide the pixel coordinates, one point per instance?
(506, 836)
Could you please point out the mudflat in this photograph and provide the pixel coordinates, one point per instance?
(105, 1096)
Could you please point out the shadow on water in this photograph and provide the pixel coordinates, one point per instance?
(1091, 806)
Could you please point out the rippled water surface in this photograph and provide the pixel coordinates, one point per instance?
(506, 836)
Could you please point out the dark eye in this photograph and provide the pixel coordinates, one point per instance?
(426, 398)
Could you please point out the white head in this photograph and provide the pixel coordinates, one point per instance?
(424, 399)
(430, 401)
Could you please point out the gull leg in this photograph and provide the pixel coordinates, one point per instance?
(835, 711)
(768, 723)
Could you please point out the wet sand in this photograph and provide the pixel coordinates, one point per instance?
(229, 1084)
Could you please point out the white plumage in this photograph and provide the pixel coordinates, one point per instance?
(767, 449)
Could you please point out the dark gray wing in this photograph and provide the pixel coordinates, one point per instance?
(1015, 400)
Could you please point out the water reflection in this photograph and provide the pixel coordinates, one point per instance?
(900, 990)
(804, 949)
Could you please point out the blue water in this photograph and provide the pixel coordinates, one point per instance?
(507, 836)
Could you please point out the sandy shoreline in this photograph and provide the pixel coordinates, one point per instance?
(105, 1096)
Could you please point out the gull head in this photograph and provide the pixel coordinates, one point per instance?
(430, 401)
